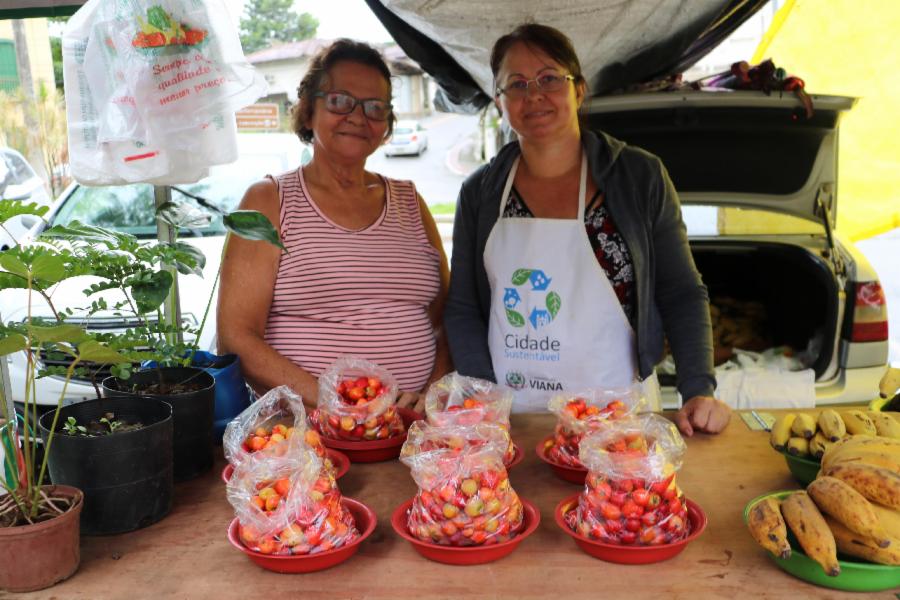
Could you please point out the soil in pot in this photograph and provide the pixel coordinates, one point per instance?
(192, 411)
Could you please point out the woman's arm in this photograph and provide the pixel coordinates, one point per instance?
(249, 270)
(684, 306)
(442, 362)
(464, 323)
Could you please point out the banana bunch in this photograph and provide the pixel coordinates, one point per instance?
(802, 434)
(853, 507)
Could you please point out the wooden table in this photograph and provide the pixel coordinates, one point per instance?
(187, 555)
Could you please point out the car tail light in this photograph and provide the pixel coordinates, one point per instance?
(414, 138)
(870, 320)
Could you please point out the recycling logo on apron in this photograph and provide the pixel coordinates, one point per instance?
(537, 282)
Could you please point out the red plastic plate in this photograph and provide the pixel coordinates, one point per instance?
(468, 555)
(338, 459)
(564, 472)
(365, 523)
(631, 555)
(518, 457)
(375, 450)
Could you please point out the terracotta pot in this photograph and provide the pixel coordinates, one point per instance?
(38, 556)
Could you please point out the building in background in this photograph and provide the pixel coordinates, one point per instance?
(40, 58)
(284, 65)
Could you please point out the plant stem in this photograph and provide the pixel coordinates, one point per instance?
(69, 371)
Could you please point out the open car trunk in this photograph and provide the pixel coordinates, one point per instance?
(767, 295)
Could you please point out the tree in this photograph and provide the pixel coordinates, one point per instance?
(268, 21)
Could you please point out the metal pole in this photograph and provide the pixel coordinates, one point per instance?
(166, 233)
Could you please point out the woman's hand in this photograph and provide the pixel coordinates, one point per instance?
(703, 413)
(413, 401)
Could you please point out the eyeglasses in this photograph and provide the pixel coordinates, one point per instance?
(342, 103)
(548, 82)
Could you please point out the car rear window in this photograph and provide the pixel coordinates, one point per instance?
(130, 208)
(402, 130)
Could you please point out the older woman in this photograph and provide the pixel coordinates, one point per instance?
(570, 259)
(363, 273)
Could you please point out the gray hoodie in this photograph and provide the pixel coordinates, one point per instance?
(672, 301)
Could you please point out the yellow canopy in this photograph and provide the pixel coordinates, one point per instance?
(850, 48)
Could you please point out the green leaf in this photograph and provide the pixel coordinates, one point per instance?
(521, 276)
(195, 262)
(76, 230)
(9, 281)
(14, 342)
(515, 319)
(14, 208)
(57, 333)
(13, 264)
(183, 216)
(252, 225)
(151, 291)
(49, 268)
(95, 351)
(553, 303)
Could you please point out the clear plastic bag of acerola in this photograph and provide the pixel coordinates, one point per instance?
(584, 411)
(289, 504)
(357, 401)
(464, 497)
(265, 426)
(457, 399)
(630, 495)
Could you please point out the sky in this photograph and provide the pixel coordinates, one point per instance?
(337, 18)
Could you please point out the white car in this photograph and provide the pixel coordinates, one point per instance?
(758, 185)
(130, 208)
(18, 181)
(408, 138)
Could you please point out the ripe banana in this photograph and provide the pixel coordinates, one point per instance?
(874, 483)
(818, 445)
(885, 425)
(781, 431)
(807, 523)
(831, 424)
(853, 544)
(768, 528)
(879, 451)
(890, 383)
(848, 506)
(890, 519)
(858, 423)
(804, 426)
(798, 446)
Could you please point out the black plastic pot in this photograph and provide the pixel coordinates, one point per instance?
(126, 477)
(192, 413)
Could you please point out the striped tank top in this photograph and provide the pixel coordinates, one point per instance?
(363, 293)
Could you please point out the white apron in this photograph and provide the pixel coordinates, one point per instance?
(556, 323)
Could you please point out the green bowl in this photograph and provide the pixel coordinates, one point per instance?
(803, 469)
(878, 404)
(855, 576)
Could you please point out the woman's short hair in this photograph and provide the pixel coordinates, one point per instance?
(544, 38)
(341, 50)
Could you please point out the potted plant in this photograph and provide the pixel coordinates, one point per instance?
(39, 524)
(119, 451)
(137, 271)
